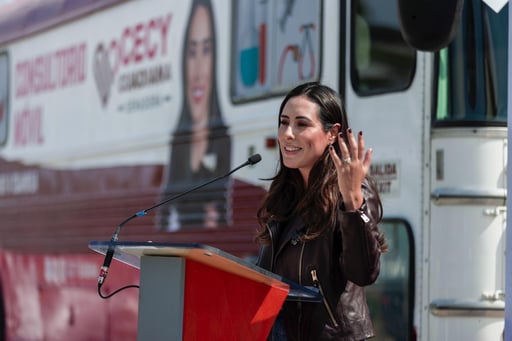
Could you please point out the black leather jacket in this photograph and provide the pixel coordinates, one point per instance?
(340, 263)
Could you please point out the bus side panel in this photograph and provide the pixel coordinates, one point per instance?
(467, 233)
(55, 298)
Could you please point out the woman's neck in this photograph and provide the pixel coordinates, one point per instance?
(199, 144)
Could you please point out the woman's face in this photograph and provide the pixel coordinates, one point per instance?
(199, 65)
(302, 139)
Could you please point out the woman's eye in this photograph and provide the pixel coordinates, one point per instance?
(191, 52)
(283, 122)
(302, 124)
(207, 49)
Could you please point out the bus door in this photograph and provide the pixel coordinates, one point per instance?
(468, 179)
(386, 98)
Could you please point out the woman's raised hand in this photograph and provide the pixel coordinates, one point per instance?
(352, 167)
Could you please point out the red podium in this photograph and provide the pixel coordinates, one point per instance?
(197, 292)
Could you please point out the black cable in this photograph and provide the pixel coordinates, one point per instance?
(115, 291)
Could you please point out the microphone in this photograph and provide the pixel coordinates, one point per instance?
(254, 159)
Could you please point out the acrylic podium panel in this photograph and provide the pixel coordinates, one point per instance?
(196, 292)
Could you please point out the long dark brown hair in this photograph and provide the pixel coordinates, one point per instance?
(317, 204)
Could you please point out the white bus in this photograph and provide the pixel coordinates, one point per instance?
(110, 107)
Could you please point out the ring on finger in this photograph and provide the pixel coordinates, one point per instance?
(347, 160)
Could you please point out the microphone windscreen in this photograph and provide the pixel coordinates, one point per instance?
(254, 159)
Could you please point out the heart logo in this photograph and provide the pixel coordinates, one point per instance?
(103, 73)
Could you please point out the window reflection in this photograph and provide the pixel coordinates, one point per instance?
(381, 61)
(391, 297)
(472, 72)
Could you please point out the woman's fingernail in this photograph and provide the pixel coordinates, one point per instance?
(340, 134)
(360, 133)
(349, 130)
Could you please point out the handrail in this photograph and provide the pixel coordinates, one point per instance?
(458, 196)
(459, 308)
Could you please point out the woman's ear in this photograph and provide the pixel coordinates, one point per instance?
(333, 133)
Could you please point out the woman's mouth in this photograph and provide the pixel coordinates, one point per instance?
(197, 94)
(291, 150)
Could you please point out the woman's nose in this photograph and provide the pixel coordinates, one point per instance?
(288, 132)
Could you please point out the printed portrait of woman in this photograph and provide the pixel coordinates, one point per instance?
(201, 145)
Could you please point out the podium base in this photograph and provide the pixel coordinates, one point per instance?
(182, 299)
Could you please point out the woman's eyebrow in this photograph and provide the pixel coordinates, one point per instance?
(207, 40)
(297, 117)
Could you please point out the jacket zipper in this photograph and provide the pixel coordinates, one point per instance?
(271, 248)
(271, 256)
(299, 304)
(317, 284)
(363, 216)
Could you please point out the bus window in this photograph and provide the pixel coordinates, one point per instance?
(381, 61)
(277, 48)
(4, 97)
(472, 72)
(391, 297)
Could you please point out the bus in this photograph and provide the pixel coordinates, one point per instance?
(112, 107)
